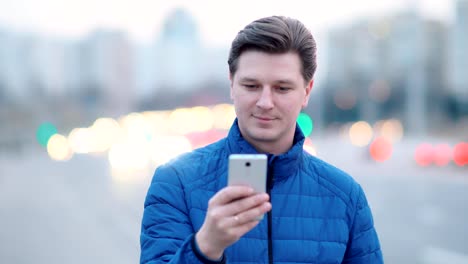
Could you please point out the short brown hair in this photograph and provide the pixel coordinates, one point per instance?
(276, 34)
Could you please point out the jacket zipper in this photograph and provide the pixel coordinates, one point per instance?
(269, 215)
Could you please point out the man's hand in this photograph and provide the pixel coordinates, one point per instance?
(232, 212)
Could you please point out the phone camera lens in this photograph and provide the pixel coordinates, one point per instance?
(247, 164)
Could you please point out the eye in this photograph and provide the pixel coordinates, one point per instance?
(250, 86)
(283, 89)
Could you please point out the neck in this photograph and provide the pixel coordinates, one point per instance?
(271, 147)
(267, 147)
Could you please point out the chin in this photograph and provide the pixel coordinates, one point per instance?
(264, 136)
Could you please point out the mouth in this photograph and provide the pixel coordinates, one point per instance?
(264, 118)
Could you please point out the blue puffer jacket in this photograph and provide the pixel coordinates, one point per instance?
(319, 213)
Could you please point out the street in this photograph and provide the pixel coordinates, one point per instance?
(75, 211)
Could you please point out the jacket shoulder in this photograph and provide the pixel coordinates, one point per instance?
(334, 179)
(191, 166)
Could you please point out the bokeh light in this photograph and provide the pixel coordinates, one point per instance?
(157, 121)
(381, 149)
(224, 115)
(305, 123)
(379, 91)
(180, 121)
(44, 132)
(81, 140)
(186, 120)
(204, 119)
(58, 148)
(424, 154)
(201, 139)
(442, 154)
(128, 156)
(136, 127)
(460, 154)
(344, 99)
(129, 160)
(309, 147)
(392, 130)
(164, 148)
(360, 133)
(106, 133)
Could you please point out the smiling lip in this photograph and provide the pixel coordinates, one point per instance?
(261, 118)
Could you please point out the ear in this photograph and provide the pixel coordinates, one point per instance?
(308, 89)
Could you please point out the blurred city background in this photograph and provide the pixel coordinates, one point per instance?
(94, 96)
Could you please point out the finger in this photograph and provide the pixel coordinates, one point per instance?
(244, 204)
(233, 231)
(251, 215)
(240, 230)
(230, 193)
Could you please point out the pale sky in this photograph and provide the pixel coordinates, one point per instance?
(218, 20)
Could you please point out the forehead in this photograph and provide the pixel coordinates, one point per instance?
(269, 67)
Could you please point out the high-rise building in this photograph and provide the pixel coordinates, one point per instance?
(354, 63)
(407, 46)
(14, 52)
(179, 68)
(391, 67)
(33, 67)
(107, 74)
(178, 53)
(458, 77)
(47, 62)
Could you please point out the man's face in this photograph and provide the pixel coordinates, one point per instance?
(269, 92)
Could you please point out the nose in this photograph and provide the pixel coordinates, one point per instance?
(266, 99)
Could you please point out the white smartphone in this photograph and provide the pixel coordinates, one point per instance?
(248, 169)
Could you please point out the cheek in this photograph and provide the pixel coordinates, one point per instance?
(245, 100)
(292, 107)
(240, 104)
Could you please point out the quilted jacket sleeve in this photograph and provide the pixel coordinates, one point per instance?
(363, 245)
(166, 232)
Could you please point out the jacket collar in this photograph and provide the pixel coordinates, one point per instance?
(283, 165)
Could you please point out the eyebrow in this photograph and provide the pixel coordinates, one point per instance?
(247, 79)
(286, 82)
(282, 81)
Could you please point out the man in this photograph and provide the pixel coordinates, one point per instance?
(315, 212)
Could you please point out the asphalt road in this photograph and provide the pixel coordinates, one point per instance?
(75, 212)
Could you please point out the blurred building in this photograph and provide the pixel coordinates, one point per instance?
(145, 68)
(48, 66)
(37, 69)
(107, 73)
(391, 67)
(352, 59)
(178, 52)
(458, 76)
(419, 61)
(31, 84)
(179, 69)
(15, 68)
